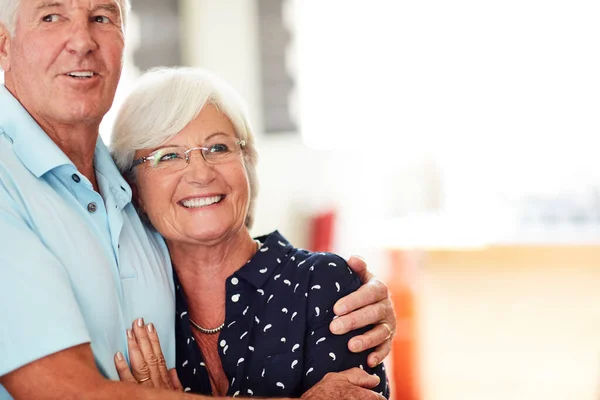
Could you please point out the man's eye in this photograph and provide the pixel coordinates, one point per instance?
(218, 148)
(51, 18)
(101, 19)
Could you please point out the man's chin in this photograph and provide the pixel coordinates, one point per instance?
(82, 112)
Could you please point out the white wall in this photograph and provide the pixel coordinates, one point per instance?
(298, 181)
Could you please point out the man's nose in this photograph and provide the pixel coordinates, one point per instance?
(81, 41)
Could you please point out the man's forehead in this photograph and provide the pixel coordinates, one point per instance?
(88, 4)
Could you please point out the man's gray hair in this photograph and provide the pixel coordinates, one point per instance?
(166, 100)
(9, 9)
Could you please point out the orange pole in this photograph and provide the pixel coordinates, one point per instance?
(402, 286)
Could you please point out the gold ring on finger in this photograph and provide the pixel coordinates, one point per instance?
(144, 379)
(389, 330)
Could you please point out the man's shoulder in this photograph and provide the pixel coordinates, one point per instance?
(13, 172)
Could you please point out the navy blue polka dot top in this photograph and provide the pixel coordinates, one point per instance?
(276, 340)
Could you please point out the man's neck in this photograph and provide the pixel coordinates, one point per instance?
(78, 142)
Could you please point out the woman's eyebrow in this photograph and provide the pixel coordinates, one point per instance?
(166, 146)
(218, 133)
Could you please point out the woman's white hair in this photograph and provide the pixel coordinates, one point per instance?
(166, 100)
(9, 10)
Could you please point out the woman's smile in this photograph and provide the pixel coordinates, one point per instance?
(201, 202)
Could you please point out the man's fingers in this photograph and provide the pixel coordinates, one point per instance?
(359, 377)
(371, 314)
(160, 358)
(359, 266)
(123, 370)
(380, 353)
(370, 339)
(371, 292)
(352, 384)
(175, 379)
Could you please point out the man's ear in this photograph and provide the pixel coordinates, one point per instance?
(4, 48)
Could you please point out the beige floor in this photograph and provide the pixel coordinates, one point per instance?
(510, 324)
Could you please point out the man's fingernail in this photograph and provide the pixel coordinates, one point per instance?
(129, 333)
(150, 328)
(374, 362)
(119, 356)
(356, 345)
(341, 308)
(140, 322)
(337, 326)
(359, 257)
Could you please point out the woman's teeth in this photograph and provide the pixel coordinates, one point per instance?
(201, 202)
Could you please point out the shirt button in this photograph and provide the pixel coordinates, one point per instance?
(76, 178)
(92, 207)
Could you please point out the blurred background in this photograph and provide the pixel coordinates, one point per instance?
(453, 144)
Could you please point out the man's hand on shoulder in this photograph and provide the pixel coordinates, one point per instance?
(369, 305)
(347, 385)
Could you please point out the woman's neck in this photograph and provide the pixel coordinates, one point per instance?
(202, 271)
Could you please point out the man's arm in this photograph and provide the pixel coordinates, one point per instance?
(322, 351)
(72, 374)
(369, 305)
(347, 385)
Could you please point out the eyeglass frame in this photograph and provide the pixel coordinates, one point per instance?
(141, 160)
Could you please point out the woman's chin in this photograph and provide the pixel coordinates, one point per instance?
(208, 236)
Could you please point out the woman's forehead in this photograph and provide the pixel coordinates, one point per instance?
(210, 123)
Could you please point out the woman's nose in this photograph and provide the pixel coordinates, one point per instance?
(198, 169)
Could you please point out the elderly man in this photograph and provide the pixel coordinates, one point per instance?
(76, 263)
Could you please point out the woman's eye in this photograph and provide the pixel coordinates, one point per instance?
(101, 19)
(218, 148)
(51, 18)
(168, 157)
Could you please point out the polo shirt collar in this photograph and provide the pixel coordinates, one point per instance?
(105, 166)
(40, 154)
(31, 144)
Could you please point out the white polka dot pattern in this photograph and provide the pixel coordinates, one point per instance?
(277, 300)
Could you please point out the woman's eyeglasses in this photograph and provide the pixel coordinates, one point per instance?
(174, 158)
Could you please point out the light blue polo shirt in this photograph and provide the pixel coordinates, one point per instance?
(75, 266)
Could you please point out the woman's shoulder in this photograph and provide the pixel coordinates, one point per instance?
(320, 263)
(302, 262)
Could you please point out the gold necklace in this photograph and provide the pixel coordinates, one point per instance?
(207, 331)
(218, 328)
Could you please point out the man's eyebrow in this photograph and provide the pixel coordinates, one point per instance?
(110, 7)
(48, 4)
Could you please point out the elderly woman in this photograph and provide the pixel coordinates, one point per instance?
(253, 314)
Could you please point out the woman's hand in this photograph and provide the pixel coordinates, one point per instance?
(369, 305)
(148, 366)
